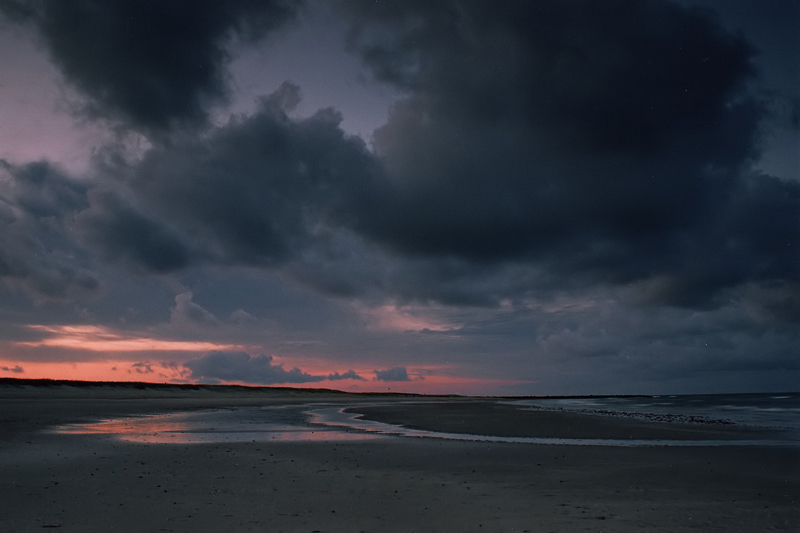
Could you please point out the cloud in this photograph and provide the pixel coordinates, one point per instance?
(41, 191)
(151, 65)
(559, 181)
(186, 312)
(537, 150)
(259, 191)
(391, 317)
(15, 369)
(350, 374)
(723, 348)
(397, 373)
(105, 339)
(773, 301)
(142, 368)
(258, 369)
(37, 252)
(599, 143)
(118, 230)
(241, 317)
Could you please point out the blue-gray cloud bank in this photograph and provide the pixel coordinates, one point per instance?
(397, 373)
(218, 366)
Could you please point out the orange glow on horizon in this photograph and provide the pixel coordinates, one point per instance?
(162, 372)
(108, 370)
(83, 371)
(131, 356)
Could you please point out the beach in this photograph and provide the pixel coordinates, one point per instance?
(317, 482)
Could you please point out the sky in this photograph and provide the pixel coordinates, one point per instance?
(436, 196)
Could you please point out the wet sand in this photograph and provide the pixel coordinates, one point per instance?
(503, 419)
(87, 483)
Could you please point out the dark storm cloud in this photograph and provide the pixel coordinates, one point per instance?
(606, 142)
(121, 231)
(259, 369)
(258, 191)
(150, 64)
(37, 254)
(44, 192)
(614, 75)
(397, 373)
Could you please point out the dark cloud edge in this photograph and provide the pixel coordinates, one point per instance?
(159, 66)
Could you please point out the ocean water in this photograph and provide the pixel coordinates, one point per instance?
(758, 410)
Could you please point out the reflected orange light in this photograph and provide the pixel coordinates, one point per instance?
(102, 339)
(129, 426)
(178, 429)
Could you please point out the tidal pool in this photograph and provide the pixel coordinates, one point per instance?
(247, 424)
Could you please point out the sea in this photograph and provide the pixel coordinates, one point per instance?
(770, 410)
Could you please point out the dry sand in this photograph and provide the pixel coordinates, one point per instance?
(91, 483)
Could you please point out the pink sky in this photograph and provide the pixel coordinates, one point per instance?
(156, 372)
(126, 356)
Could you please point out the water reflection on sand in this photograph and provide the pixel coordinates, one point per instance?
(266, 424)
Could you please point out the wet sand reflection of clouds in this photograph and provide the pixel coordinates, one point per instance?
(241, 425)
(128, 426)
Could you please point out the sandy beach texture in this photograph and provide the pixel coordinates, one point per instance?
(97, 483)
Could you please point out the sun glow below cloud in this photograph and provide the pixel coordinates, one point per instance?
(99, 353)
(392, 317)
(102, 339)
(112, 370)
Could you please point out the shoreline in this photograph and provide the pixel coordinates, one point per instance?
(500, 419)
